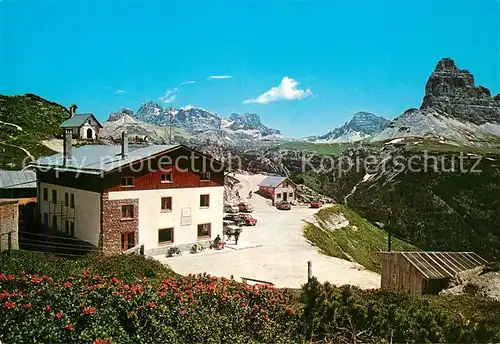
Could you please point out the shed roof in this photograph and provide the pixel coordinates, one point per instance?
(272, 181)
(17, 179)
(439, 265)
(78, 120)
(101, 158)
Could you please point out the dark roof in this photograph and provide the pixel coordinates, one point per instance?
(101, 158)
(78, 120)
(97, 159)
(439, 265)
(272, 181)
(17, 179)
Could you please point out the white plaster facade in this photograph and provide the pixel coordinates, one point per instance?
(152, 218)
(85, 215)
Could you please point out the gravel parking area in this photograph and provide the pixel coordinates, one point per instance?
(282, 258)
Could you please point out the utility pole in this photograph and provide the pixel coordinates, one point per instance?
(171, 114)
(389, 239)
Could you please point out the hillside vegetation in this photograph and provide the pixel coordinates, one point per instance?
(24, 122)
(359, 241)
(99, 304)
(432, 209)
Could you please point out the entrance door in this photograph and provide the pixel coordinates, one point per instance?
(285, 196)
(128, 240)
(89, 133)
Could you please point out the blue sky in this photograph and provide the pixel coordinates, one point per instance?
(339, 57)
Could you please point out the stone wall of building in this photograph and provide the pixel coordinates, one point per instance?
(9, 220)
(113, 225)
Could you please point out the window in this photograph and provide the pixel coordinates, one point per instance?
(204, 230)
(45, 194)
(285, 184)
(128, 211)
(54, 196)
(66, 226)
(278, 195)
(165, 235)
(166, 177)
(72, 200)
(89, 122)
(54, 222)
(45, 219)
(204, 201)
(72, 228)
(290, 194)
(166, 204)
(205, 175)
(66, 199)
(127, 181)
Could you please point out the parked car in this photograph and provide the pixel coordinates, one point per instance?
(249, 219)
(316, 204)
(245, 207)
(231, 208)
(235, 218)
(283, 205)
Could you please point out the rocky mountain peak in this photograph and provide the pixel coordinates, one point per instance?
(115, 116)
(361, 126)
(452, 91)
(367, 122)
(446, 64)
(250, 121)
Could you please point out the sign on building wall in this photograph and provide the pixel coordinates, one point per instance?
(185, 216)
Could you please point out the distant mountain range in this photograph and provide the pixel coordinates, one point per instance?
(189, 125)
(361, 127)
(453, 111)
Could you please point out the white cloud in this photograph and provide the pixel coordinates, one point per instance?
(219, 77)
(119, 92)
(170, 95)
(286, 90)
(188, 82)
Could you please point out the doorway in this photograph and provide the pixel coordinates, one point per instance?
(90, 133)
(285, 196)
(128, 240)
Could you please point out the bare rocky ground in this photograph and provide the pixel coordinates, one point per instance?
(282, 258)
(476, 282)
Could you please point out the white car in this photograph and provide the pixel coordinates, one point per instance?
(231, 208)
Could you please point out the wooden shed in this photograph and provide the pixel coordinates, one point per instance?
(424, 272)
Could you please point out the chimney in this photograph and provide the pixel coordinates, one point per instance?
(67, 145)
(72, 110)
(124, 144)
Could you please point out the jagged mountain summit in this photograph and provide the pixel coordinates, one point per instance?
(361, 127)
(251, 122)
(453, 110)
(190, 125)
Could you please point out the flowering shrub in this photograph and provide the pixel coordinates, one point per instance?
(125, 267)
(93, 309)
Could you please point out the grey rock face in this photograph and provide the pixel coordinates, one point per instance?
(250, 121)
(361, 126)
(115, 116)
(190, 125)
(452, 91)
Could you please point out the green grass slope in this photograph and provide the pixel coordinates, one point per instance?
(360, 242)
(24, 122)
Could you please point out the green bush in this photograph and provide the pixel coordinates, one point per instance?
(333, 313)
(128, 268)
